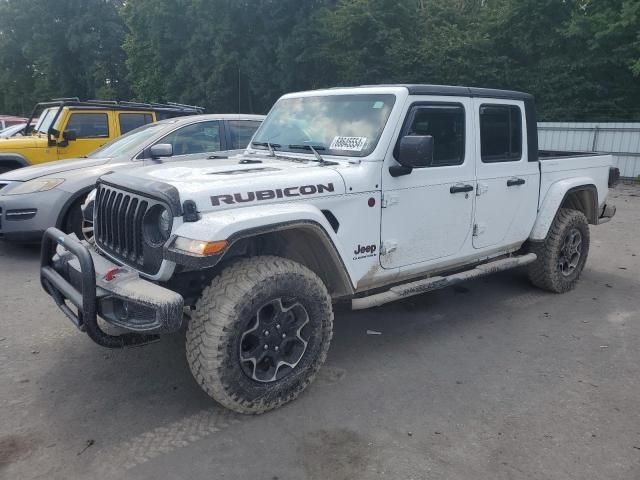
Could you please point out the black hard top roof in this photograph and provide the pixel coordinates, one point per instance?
(449, 90)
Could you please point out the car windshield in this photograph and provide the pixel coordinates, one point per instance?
(129, 143)
(12, 130)
(348, 125)
(45, 120)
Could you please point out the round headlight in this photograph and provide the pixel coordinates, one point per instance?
(157, 225)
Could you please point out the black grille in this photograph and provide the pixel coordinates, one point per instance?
(118, 221)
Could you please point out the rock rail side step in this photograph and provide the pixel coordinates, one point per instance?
(433, 283)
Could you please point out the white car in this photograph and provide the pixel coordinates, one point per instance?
(366, 195)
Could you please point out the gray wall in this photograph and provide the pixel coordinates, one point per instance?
(622, 140)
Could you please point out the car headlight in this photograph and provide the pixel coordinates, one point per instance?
(33, 186)
(157, 225)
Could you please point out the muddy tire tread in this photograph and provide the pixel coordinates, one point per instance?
(543, 272)
(211, 324)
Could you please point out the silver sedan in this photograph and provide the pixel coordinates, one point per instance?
(35, 198)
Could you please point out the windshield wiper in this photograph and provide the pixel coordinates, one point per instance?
(269, 145)
(314, 149)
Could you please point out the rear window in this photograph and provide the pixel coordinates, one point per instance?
(241, 132)
(500, 133)
(131, 121)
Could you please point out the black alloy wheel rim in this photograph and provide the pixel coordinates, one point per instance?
(570, 252)
(274, 341)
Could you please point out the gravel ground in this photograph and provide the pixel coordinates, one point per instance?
(490, 380)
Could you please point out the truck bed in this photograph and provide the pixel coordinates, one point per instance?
(579, 167)
(560, 155)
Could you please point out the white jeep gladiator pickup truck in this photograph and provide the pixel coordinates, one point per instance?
(367, 194)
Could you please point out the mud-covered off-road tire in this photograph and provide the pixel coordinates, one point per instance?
(228, 305)
(545, 272)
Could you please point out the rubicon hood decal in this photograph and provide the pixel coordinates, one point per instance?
(231, 199)
(221, 184)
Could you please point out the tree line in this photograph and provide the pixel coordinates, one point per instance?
(581, 58)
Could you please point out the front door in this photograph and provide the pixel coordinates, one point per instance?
(507, 191)
(427, 214)
(92, 128)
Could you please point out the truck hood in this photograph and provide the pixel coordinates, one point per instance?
(228, 183)
(51, 169)
(15, 144)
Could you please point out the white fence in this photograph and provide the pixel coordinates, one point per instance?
(622, 140)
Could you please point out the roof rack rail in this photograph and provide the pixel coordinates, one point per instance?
(170, 108)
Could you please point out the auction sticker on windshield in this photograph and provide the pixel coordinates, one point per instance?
(352, 144)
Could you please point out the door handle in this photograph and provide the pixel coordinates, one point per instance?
(461, 188)
(512, 182)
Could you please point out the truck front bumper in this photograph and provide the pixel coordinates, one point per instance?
(77, 276)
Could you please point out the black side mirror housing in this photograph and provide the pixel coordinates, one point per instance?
(416, 151)
(70, 135)
(161, 150)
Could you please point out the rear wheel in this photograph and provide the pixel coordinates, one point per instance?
(260, 333)
(563, 254)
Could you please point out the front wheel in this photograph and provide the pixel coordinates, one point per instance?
(563, 254)
(260, 333)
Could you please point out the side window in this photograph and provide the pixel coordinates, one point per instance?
(89, 125)
(241, 132)
(131, 121)
(196, 138)
(500, 133)
(445, 123)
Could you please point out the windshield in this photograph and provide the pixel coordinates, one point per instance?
(44, 122)
(129, 143)
(12, 130)
(348, 125)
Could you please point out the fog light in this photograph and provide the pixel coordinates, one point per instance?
(121, 309)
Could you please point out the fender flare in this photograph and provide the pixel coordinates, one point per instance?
(237, 224)
(555, 197)
(12, 158)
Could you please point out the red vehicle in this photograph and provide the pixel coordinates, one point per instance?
(9, 120)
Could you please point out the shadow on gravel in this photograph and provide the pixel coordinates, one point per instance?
(19, 251)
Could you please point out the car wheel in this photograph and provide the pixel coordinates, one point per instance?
(260, 333)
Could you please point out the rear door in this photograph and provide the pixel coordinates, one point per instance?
(507, 189)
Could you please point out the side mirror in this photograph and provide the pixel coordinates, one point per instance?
(416, 151)
(70, 135)
(160, 150)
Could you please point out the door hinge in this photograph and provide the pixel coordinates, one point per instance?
(478, 229)
(387, 247)
(389, 199)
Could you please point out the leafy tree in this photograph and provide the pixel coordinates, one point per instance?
(50, 49)
(581, 58)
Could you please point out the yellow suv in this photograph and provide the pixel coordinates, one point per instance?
(70, 128)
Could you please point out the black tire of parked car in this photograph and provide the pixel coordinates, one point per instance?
(73, 220)
(257, 305)
(563, 254)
